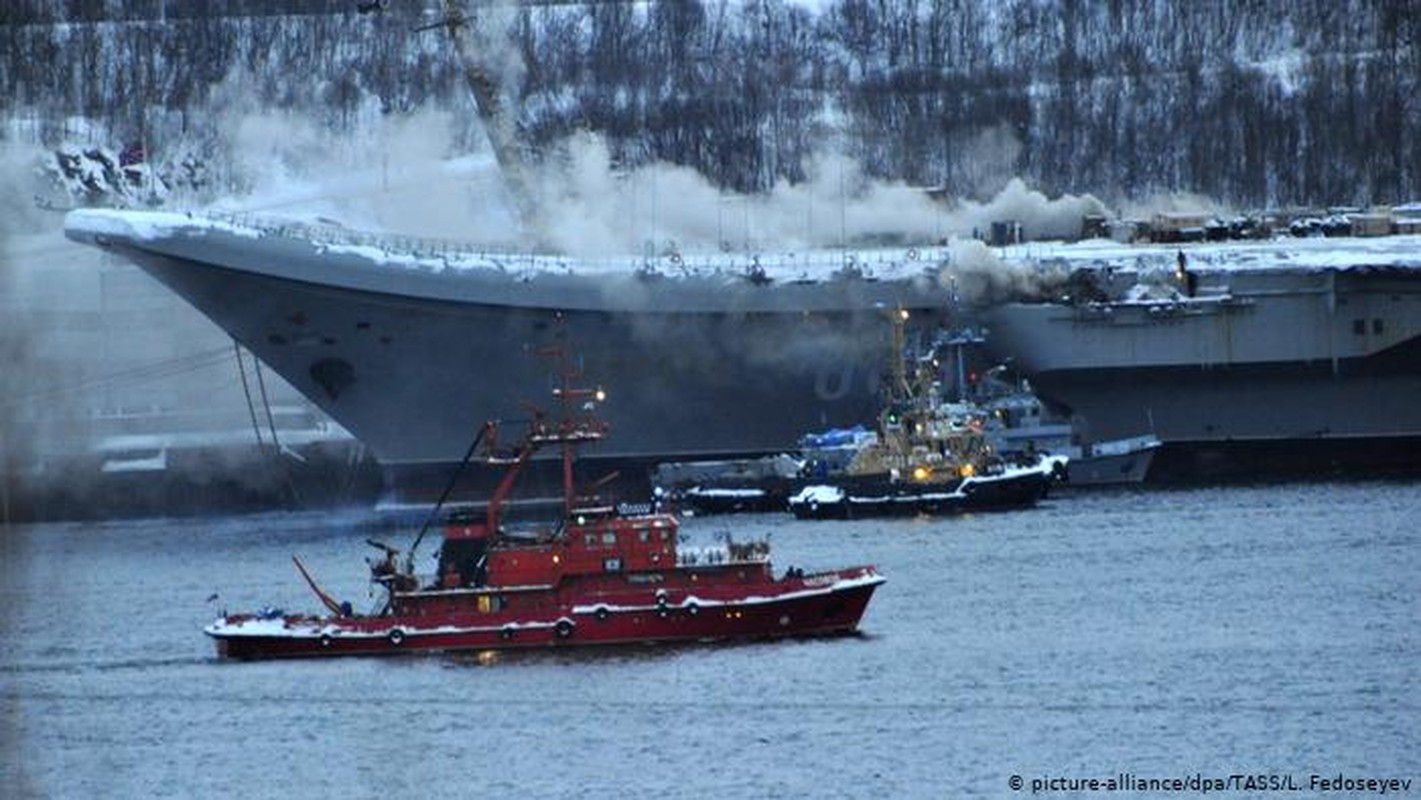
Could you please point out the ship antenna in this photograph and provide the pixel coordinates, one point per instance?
(899, 319)
(448, 489)
(574, 430)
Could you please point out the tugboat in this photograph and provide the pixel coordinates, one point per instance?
(601, 574)
(929, 456)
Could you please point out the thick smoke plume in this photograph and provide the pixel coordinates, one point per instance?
(407, 175)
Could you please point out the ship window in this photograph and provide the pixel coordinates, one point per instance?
(1377, 326)
(590, 540)
(1359, 326)
(643, 535)
(612, 564)
(609, 538)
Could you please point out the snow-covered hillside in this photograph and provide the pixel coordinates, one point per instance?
(1271, 102)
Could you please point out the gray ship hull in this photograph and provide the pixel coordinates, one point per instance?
(414, 360)
(412, 345)
(1268, 372)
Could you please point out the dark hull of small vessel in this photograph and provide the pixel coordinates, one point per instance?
(757, 499)
(859, 498)
(822, 604)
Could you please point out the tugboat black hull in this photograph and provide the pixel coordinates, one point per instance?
(859, 497)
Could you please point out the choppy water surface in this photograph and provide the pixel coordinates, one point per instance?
(1211, 631)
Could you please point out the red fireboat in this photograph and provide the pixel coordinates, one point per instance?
(602, 574)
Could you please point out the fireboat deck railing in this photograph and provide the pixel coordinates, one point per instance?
(716, 555)
(702, 556)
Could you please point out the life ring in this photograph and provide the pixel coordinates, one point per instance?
(602, 613)
(397, 637)
(563, 628)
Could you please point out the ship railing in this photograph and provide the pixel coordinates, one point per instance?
(731, 553)
(702, 556)
(1161, 307)
(808, 265)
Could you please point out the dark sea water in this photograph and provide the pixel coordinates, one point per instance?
(1164, 634)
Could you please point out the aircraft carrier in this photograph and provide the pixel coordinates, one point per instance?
(1290, 356)
(412, 345)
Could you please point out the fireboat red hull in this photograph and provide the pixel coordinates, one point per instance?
(600, 574)
(667, 611)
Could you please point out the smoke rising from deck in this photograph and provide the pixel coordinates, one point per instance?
(406, 175)
(398, 174)
(977, 275)
(1147, 207)
(410, 175)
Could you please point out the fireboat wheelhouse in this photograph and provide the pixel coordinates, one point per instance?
(600, 574)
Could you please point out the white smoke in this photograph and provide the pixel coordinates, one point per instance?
(28, 236)
(1173, 203)
(1040, 217)
(977, 275)
(984, 164)
(590, 208)
(593, 209)
(396, 173)
(406, 174)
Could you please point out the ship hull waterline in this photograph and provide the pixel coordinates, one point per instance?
(866, 498)
(1242, 422)
(830, 604)
(1274, 373)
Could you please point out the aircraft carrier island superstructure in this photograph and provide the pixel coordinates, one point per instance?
(1286, 356)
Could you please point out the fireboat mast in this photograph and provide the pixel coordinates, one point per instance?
(573, 429)
(570, 431)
